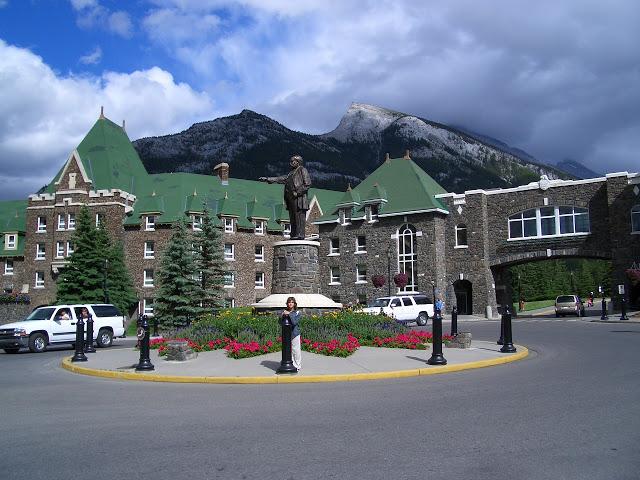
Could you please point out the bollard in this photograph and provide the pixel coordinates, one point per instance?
(436, 356)
(623, 308)
(79, 356)
(507, 346)
(286, 365)
(454, 322)
(143, 337)
(88, 344)
(604, 315)
(501, 339)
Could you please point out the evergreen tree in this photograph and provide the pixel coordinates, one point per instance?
(119, 282)
(81, 279)
(209, 264)
(176, 300)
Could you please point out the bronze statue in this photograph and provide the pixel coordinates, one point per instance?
(296, 184)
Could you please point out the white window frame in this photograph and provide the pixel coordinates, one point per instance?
(259, 282)
(459, 229)
(228, 224)
(286, 229)
(407, 256)
(345, 216)
(334, 276)
(99, 219)
(69, 248)
(71, 221)
(8, 266)
(196, 223)
(259, 256)
(371, 212)
(41, 251)
(231, 256)
(62, 222)
(147, 278)
(361, 247)
(59, 249)
(535, 218)
(361, 274)
(39, 281)
(149, 250)
(258, 227)
(42, 225)
(232, 277)
(229, 302)
(147, 306)
(334, 250)
(11, 241)
(635, 219)
(150, 223)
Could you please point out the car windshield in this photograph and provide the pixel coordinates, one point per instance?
(41, 314)
(379, 302)
(566, 299)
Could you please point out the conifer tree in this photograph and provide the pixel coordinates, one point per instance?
(176, 300)
(209, 264)
(119, 282)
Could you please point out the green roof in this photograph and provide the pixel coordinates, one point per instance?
(12, 220)
(401, 182)
(109, 159)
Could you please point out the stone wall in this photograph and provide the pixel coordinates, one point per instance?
(295, 267)
(14, 312)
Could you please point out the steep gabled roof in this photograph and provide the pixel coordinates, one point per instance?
(13, 220)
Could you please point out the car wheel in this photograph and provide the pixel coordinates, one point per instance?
(37, 342)
(105, 338)
(422, 319)
(12, 350)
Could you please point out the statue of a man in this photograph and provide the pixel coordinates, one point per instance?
(296, 184)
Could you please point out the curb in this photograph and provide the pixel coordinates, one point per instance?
(523, 352)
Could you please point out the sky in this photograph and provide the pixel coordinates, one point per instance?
(559, 79)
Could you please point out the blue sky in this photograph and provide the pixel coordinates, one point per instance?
(557, 79)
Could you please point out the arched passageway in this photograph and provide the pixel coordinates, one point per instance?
(464, 297)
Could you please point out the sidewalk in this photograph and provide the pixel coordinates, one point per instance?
(367, 363)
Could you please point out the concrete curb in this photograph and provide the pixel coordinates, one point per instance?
(522, 352)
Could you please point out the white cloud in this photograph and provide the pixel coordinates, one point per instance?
(120, 23)
(90, 13)
(93, 57)
(44, 115)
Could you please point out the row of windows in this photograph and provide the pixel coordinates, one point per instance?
(259, 226)
(360, 247)
(334, 275)
(549, 222)
(370, 214)
(65, 222)
(148, 303)
(229, 279)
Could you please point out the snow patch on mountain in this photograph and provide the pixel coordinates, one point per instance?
(363, 123)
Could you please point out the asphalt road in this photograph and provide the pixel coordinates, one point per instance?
(571, 410)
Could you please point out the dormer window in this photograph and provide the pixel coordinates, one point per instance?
(196, 221)
(228, 224)
(258, 227)
(371, 212)
(286, 229)
(11, 241)
(150, 222)
(345, 216)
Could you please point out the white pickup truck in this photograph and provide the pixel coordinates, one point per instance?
(404, 308)
(57, 325)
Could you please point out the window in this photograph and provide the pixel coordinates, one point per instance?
(635, 219)
(361, 244)
(62, 219)
(106, 311)
(228, 225)
(11, 241)
(147, 306)
(229, 279)
(71, 221)
(59, 249)
(42, 225)
(229, 252)
(371, 212)
(39, 280)
(8, 267)
(149, 250)
(549, 222)
(150, 222)
(148, 278)
(259, 279)
(69, 248)
(345, 216)
(99, 219)
(334, 275)
(229, 303)
(407, 256)
(334, 246)
(286, 229)
(196, 220)
(362, 299)
(259, 255)
(361, 274)
(461, 236)
(40, 251)
(258, 227)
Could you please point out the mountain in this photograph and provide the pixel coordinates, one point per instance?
(254, 145)
(577, 169)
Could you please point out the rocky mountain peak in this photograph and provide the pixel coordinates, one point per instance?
(364, 123)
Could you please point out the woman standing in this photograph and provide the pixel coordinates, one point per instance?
(294, 315)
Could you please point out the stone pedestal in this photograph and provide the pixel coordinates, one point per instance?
(179, 351)
(462, 340)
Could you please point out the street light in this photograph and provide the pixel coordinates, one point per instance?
(433, 291)
(104, 281)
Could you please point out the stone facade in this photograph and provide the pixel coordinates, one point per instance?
(295, 267)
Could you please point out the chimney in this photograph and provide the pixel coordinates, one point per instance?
(101, 113)
(386, 157)
(123, 126)
(406, 155)
(222, 171)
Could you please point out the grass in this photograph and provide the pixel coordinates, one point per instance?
(535, 304)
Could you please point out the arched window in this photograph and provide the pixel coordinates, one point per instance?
(407, 256)
(549, 222)
(635, 219)
(461, 235)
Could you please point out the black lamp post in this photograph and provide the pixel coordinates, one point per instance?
(286, 365)
(389, 271)
(433, 291)
(104, 281)
(520, 303)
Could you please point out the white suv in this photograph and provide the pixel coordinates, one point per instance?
(49, 325)
(404, 308)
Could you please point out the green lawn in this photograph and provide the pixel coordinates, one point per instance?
(534, 305)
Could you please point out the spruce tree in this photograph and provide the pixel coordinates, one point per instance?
(176, 300)
(209, 264)
(119, 282)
